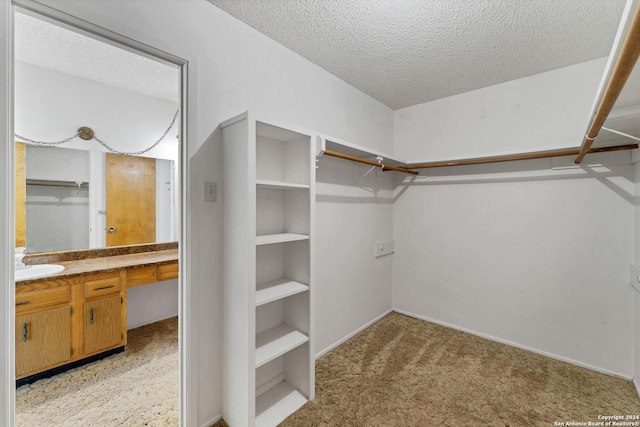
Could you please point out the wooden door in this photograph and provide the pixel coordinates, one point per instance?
(21, 194)
(43, 339)
(102, 324)
(130, 200)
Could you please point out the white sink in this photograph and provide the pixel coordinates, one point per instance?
(36, 271)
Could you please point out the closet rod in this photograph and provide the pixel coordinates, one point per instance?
(369, 162)
(621, 69)
(528, 156)
(62, 184)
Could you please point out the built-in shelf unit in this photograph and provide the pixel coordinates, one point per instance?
(269, 192)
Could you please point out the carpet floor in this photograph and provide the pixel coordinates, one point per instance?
(403, 371)
(138, 387)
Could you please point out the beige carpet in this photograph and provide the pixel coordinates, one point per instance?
(406, 372)
(138, 387)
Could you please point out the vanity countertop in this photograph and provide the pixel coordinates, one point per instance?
(82, 267)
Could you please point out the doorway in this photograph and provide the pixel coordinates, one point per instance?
(47, 129)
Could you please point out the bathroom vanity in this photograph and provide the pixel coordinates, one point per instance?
(80, 314)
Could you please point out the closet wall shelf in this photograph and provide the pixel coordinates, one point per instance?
(277, 289)
(269, 239)
(623, 58)
(523, 156)
(277, 341)
(345, 150)
(279, 185)
(405, 167)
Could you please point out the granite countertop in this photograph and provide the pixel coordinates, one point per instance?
(82, 267)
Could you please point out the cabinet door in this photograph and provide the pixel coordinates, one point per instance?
(102, 324)
(42, 339)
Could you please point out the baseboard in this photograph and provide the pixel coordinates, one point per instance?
(170, 316)
(352, 334)
(516, 345)
(212, 421)
(637, 386)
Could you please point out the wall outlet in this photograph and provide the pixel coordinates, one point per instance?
(385, 247)
(210, 191)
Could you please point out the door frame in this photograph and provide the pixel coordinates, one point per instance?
(187, 407)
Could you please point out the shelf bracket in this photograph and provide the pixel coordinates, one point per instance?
(635, 138)
(379, 159)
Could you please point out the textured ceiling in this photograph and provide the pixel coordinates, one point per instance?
(406, 52)
(50, 46)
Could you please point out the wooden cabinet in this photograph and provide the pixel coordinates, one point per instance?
(137, 276)
(43, 327)
(102, 324)
(64, 320)
(43, 339)
(104, 314)
(269, 241)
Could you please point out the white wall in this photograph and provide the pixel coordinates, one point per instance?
(545, 111)
(150, 303)
(636, 358)
(353, 287)
(7, 233)
(636, 293)
(519, 252)
(525, 255)
(51, 106)
(233, 68)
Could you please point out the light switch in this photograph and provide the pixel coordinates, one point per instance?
(210, 191)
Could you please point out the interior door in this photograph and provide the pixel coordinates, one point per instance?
(130, 200)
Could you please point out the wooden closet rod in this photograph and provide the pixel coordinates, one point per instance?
(512, 157)
(369, 162)
(621, 69)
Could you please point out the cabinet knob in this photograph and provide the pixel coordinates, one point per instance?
(112, 229)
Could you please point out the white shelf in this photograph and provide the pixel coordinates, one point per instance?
(277, 341)
(280, 238)
(277, 403)
(277, 289)
(270, 181)
(279, 185)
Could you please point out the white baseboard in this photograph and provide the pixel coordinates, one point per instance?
(212, 421)
(516, 345)
(637, 386)
(352, 334)
(148, 322)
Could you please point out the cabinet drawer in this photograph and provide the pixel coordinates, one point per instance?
(141, 276)
(26, 301)
(168, 271)
(102, 286)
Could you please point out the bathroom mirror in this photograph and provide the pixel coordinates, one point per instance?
(79, 199)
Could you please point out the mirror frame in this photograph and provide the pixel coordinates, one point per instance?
(187, 379)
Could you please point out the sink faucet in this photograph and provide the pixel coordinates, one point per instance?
(19, 254)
